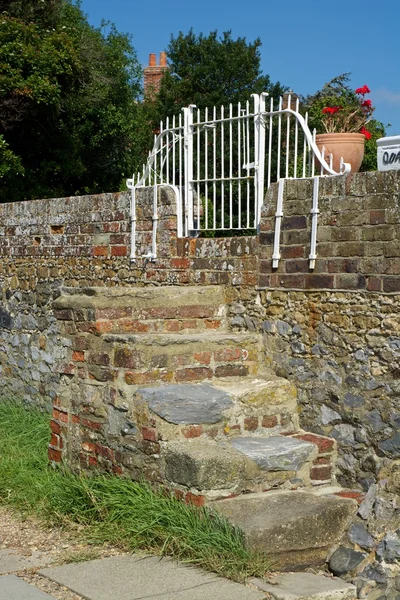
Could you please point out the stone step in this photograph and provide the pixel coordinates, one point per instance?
(167, 358)
(164, 309)
(295, 528)
(215, 469)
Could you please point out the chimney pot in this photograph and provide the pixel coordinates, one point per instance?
(152, 60)
(163, 59)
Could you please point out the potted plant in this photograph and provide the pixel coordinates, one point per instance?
(342, 114)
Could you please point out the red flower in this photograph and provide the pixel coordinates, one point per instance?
(366, 103)
(363, 90)
(367, 134)
(331, 110)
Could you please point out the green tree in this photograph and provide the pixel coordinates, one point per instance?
(211, 71)
(68, 102)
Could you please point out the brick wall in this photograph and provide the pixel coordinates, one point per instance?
(358, 235)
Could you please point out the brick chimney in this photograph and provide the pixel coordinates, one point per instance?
(153, 74)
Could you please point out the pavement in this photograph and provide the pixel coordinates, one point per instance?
(136, 577)
(122, 577)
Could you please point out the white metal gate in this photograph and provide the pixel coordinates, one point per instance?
(220, 162)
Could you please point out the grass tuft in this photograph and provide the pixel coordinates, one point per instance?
(114, 510)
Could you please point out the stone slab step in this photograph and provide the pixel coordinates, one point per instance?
(305, 586)
(276, 453)
(296, 528)
(142, 310)
(216, 469)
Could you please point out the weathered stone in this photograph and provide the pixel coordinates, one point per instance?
(353, 401)
(345, 560)
(375, 420)
(206, 465)
(358, 534)
(276, 453)
(187, 404)
(344, 434)
(290, 526)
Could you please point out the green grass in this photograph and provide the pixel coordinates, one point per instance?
(113, 509)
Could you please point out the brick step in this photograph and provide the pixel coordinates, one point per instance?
(164, 358)
(141, 310)
(296, 528)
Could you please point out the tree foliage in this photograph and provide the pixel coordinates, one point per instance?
(211, 71)
(68, 102)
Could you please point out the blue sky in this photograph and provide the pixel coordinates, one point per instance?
(304, 42)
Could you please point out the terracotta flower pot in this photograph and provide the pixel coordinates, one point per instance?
(350, 146)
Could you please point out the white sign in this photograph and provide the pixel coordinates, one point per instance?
(388, 153)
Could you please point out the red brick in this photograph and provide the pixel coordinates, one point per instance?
(119, 250)
(117, 470)
(203, 357)
(251, 423)
(99, 359)
(55, 427)
(377, 217)
(193, 374)
(353, 494)
(92, 461)
(67, 369)
(75, 419)
(374, 284)
(228, 354)
(321, 473)
(149, 434)
(103, 326)
(78, 356)
(269, 421)
(231, 371)
(322, 460)
(63, 314)
(54, 455)
(60, 415)
(100, 250)
(194, 499)
(212, 324)
(193, 431)
(104, 451)
(95, 425)
(324, 444)
(127, 358)
(56, 441)
(180, 263)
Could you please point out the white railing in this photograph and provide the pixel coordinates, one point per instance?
(219, 164)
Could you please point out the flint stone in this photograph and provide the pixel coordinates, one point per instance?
(358, 534)
(353, 401)
(187, 404)
(391, 446)
(389, 548)
(375, 572)
(343, 433)
(367, 504)
(328, 415)
(345, 560)
(275, 453)
(375, 420)
(291, 527)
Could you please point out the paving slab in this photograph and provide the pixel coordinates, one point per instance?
(307, 586)
(11, 561)
(134, 578)
(14, 588)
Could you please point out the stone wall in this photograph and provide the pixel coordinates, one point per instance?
(84, 242)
